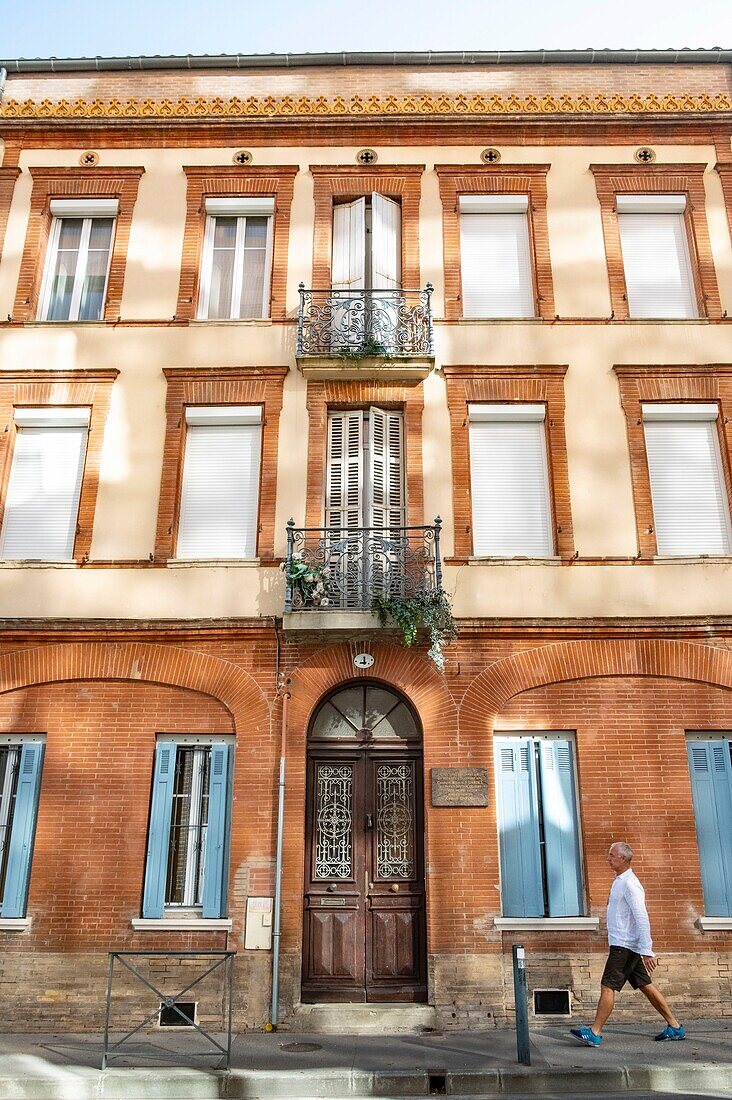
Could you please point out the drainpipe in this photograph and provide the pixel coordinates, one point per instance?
(272, 1025)
(3, 78)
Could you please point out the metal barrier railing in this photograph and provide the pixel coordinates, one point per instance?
(223, 958)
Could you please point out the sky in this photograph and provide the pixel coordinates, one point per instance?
(85, 28)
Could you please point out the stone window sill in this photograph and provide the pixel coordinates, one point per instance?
(714, 924)
(15, 924)
(212, 563)
(547, 924)
(182, 924)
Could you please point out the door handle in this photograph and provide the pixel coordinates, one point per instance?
(394, 888)
(369, 821)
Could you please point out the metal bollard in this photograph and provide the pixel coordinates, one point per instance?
(523, 1051)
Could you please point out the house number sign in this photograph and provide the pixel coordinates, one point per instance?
(363, 660)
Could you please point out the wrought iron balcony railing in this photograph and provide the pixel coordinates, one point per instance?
(354, 324)
(343, 568)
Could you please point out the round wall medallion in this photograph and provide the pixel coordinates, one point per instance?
(644, 155)
(491, 156)
(363, 660)
(367, 156)
(89, 159)
(242, 156)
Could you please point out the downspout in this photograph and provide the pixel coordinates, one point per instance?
(3, 78)
(274, 1013)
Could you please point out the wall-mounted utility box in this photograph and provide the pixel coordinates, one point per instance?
(258, 934)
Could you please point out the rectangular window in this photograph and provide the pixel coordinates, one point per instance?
(219, 505)
(509, 475)
(188, 835)
(237, 259)
(20, 781)
(495, 256)
(541, 874)
(690, 506)
(42, 503)
(369, 441)
(77, 265)
(710, 766)
(658, 273)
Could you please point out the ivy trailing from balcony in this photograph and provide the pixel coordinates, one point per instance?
(428, 610)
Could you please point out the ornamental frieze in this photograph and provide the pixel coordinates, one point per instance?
(338, 106)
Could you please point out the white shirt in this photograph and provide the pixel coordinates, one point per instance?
(627, 917)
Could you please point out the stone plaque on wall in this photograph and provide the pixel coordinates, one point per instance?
(459, 786)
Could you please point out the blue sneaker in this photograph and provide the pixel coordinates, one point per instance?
(586, 1035)
(670, 1033)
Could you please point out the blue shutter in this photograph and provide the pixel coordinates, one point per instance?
(158, 837)
(214, 867)
(22, 832)
(521, 886)
(711, 787)
(561, 838)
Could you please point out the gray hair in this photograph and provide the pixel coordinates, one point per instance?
(623, 850)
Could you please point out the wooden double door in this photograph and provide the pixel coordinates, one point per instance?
(364, 916)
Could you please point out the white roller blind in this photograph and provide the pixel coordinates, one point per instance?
(349, 245)
(220, 495)
(42, 503)
(510, 482)
(690, 507)
(386, 243)
(495, 261)
(658, 274)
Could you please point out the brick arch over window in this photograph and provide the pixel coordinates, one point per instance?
(228, 683)
(552, 664)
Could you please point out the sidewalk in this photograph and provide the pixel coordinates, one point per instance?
(292, 1065)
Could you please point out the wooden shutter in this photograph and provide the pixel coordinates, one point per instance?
(711, 787)
(690, 506)
(349, 245)
(344, 483)
(23, 828)
(158, 836)
(386, 469)
(220, 495)
(495, 257)
(561, 834)
(509, 475)
(386, 243)
(518, 824)
(217, 829)
(658, 274)
(45, 484)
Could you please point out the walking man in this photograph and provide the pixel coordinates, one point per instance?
(631, 957)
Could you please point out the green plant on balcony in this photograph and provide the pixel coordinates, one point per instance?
(369, 349)
(307, 579)
(428, 610)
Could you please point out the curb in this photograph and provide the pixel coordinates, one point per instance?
(82, 1083)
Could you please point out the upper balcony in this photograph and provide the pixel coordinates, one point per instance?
(367, 334)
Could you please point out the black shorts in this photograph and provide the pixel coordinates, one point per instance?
(624, 965)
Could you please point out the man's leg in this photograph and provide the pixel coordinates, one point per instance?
(604, 1007)
(659, 1002)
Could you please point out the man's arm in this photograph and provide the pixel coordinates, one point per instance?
(636, 901)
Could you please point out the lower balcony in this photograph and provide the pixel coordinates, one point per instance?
(365, 334)
(334, 573)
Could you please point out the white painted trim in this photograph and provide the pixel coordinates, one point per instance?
(650, 204)
(15, 924)
(196, 739)
(714, 924)
(182, 924)
(494, 204)
(547, 924)
(52, 416)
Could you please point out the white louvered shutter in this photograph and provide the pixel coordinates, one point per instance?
(386, 243)
(690, 507)
(386, 460)
(495, 257)
(42, 504)
(512, 514)
(349, 245)
(220, 496)
(658, 274)
(344, 486)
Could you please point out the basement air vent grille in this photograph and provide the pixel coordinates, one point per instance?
(170, 1014)
(552, 1002)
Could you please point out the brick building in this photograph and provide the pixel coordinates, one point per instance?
(363, 292)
